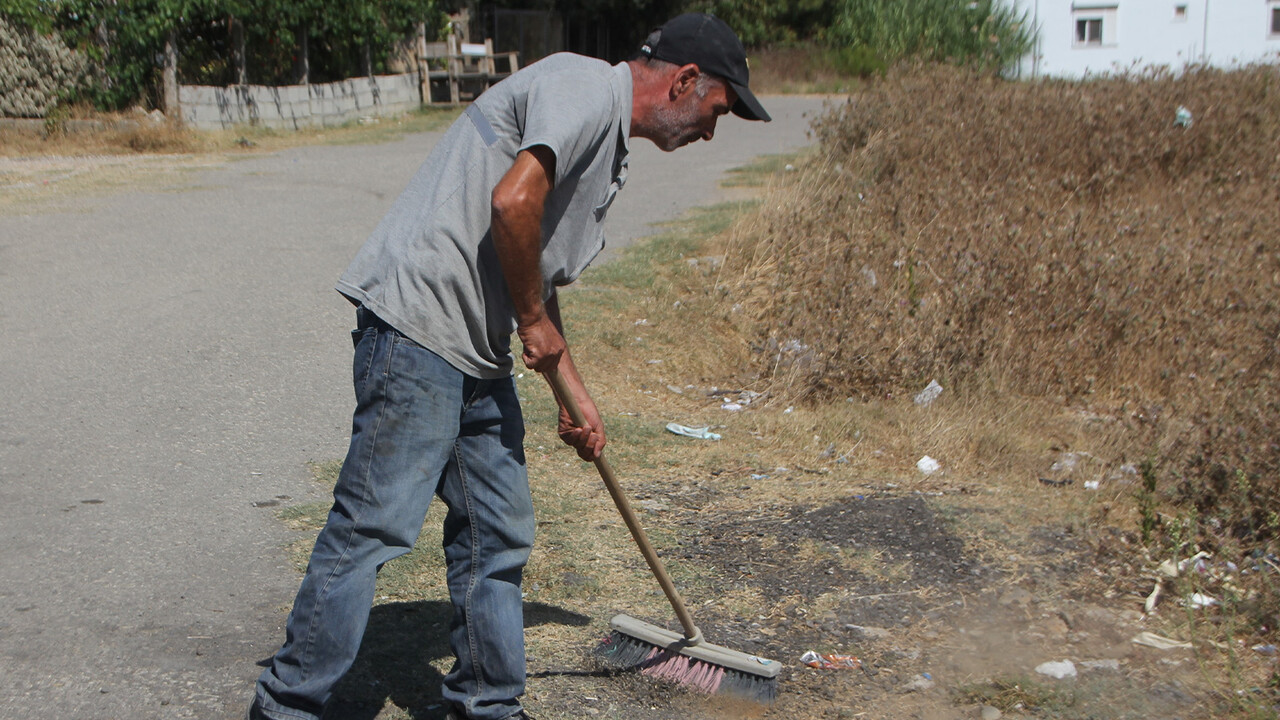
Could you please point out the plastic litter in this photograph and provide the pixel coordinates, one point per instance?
(1265, 649)
(830, 662)
(1169, 568)
(702, 433)
(925, 397)
(1150, 639)
(1153, 598)
(1066, 462)
(928, 465)
(1090, 484)
(1182, 117)
(1200, 601)
(1057, 669)
(923, 681)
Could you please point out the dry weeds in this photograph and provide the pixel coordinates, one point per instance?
(1059, 242)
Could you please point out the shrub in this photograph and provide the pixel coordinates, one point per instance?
(36, 71)
(1056, 239)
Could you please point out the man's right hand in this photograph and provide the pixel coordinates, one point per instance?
(543, 344)
(586, 437)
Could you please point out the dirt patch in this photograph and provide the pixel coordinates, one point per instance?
(887, 579)
(879, 559)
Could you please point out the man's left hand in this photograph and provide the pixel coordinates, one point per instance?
(589, 439)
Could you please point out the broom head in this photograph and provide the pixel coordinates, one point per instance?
(712, 669)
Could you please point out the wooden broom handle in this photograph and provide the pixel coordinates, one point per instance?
(693, 636)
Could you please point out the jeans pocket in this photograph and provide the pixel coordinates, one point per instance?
(364, 341)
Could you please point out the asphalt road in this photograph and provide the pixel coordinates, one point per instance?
(171, 361)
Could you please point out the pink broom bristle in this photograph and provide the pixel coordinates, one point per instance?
(679, 669)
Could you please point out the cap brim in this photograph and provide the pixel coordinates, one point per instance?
(748, 107)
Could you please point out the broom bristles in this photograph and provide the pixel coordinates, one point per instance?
(624, 652)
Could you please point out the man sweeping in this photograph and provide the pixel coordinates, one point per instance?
(509, 205)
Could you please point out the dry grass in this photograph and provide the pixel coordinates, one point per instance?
(100, 135)
(86, 133)
(1082, 274)
(1060, 241)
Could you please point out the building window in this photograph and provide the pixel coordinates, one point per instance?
(1095, 25)
(1275, 20)
(1089, 31)
(1179, 13)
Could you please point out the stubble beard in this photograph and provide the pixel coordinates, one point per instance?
(674, 126)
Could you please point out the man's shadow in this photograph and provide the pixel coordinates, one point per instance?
(398, 659)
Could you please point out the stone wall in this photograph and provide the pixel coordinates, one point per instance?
(297, 106)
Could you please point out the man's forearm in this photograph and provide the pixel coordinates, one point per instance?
(518, 202)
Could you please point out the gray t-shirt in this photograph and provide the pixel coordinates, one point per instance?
(430, 268)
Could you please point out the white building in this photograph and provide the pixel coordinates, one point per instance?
(1080, 37)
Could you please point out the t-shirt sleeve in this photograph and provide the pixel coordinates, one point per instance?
(570, 113)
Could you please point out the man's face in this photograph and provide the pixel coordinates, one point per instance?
(692, 115)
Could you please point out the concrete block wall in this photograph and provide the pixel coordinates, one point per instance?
(296, 106)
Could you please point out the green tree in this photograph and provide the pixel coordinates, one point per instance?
(987, 34)
(228, 41)
(765, 22)
(33, 15)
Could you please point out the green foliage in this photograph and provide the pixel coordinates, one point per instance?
(867, 34)
(987, 34)
(855, 60)
(765, 22)
(28, 15)
(124, 38)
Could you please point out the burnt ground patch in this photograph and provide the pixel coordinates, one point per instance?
(876, 545)
(878, 562)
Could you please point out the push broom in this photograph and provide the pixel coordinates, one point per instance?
(657, 652)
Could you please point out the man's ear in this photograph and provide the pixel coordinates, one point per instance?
(684, 80)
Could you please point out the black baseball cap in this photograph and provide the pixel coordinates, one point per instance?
(709, 43)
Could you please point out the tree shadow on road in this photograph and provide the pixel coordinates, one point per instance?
(397, 659)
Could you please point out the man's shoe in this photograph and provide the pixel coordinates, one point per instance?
(457, 713)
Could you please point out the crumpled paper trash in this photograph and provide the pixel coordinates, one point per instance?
(702, 433)
(1058, 670)
(925, 397)
(1158, 642)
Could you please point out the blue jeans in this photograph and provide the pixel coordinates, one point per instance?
(420, 428)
